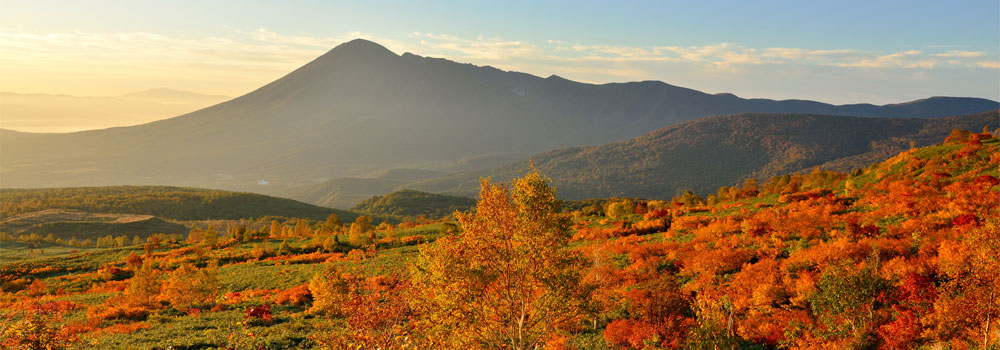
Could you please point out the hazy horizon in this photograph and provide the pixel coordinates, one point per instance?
(60, 113)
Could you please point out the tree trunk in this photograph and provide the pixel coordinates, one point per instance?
(986, 332)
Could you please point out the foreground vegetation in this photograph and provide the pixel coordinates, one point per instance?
(899, 255)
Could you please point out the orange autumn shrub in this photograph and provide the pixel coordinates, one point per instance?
(298, 295)
(100, 313)
(410, 240)
(628, 334)
(559, 342)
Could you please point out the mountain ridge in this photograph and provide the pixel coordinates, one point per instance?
(705, 154)
(360, 108)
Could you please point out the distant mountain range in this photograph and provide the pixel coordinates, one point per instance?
(168, 95)
(345, 192)
(361, 109)
(64, 113)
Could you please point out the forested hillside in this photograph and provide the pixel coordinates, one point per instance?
(414, 203)
(707, 153)
(177, 203)
(900, 254)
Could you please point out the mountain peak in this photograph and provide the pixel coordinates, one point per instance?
(349, 55)
(361, 48)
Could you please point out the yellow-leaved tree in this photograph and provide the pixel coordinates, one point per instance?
(190, 286)
(506, 280)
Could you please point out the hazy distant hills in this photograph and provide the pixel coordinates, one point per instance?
(345, 192)
(168, 95)
(62, 113)
(705, 154)
(360, 108)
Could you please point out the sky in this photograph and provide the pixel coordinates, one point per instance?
(831, 51)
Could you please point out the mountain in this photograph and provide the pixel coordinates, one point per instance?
(414, 203)
(64, 113)
(705, 154)
(361, 108)
(173, 203)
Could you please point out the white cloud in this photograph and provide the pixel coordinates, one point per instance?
(906, 59)
(989, 64)
(480, 48)
(962, 54)
(725, 55)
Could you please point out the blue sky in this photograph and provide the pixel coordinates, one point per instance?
(833, 51)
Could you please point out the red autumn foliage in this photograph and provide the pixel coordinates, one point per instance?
(965, 219)
(987, 180)
(629, 334)
(259, 313)
(656, 214)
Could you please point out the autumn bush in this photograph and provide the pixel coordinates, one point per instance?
(298, 295)
(100, 313)
(258, 315)
(36, 330)
(189, 286)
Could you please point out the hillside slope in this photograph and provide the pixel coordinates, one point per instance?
(166, 202)
(82, 225)
(361, 108)
(413, 203)
(887, 257)
(708, 153)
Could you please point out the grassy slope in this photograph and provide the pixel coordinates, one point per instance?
(81, 225)
(292, 326)
(179, 331)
